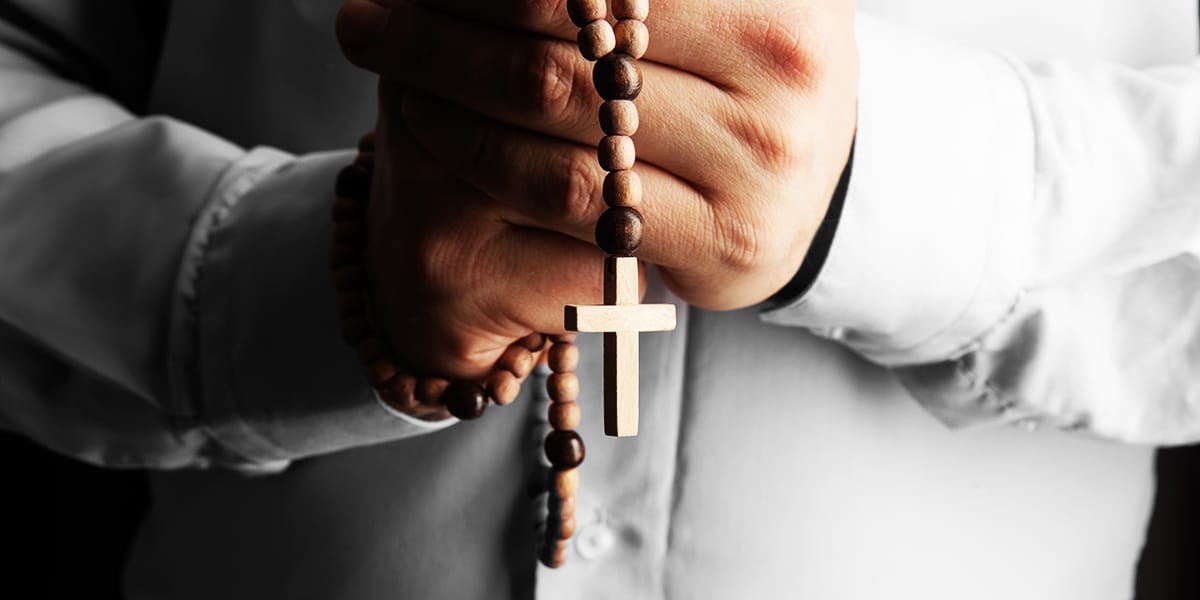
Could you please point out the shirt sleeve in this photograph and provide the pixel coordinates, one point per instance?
(1019, 241)
(165, 299)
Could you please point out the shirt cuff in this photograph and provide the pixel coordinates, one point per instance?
(943, 180)
(274, 380)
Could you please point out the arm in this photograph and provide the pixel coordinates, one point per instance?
(1040, 224)
(164, 294)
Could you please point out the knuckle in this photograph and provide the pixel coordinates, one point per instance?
(787, 44)
(575, 188)
(553, 87)
(745, 244)
(772, 145)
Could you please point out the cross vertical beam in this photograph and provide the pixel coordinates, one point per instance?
(621, 319)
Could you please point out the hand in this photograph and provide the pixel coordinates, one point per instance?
(747, 119)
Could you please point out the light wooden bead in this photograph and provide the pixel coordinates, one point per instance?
(564, 449)
(380, 372)
(617, 153)
(631, 9)
(583, 12)
(596, 40)
(401, 392)
(516, 360)
(503, 387)
(563, 387)
(619, 117)
(566, 483)
(563, 358)
(623, 188)
(564, 506)
(631, 37)
(566, 528)
(619, 231)
(429, 391)
(554, 553)
(564, 416)
(617, 77)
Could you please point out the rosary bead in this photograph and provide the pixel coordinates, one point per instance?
(619, 117)
(563, 358)
(617, 153)
(380, 372)
(401, 392)
(622, 188)
(631, 9)
(465, 400)
(354, 181)
(564, 449)
(429, 391)
(566, 528)
(562, 387)
(355, 330)
(562, 506)
(617, 77)
(503, 387)
(619, 231)
(554, 553)
(346, 209)
(631, 37)
(564, 416)
(565, 483)
(516, 360)
(596, 40)
(583, 12)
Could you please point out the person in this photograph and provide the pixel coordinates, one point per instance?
(1014, 257)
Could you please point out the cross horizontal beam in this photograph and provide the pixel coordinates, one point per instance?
(627, 317)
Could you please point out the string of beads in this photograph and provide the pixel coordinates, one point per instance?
(435, 397)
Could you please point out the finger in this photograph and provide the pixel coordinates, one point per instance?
(545, 85)
(552, 184)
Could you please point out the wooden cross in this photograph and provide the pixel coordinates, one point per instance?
(620, 319)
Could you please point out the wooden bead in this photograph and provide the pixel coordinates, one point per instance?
(563, 358)
(564, 449)
(348, 209)
(341, 255)
(554, 552)
(583, 12)
(350, 278)
(429, 391)
(631, 37)
(564, 416)
(380, 372)
(631, 9)
(619, 231)
(563, 387)
(617, 153)
(619, 117)
(368, 350)
(563, 338)
(355, 330)
(566, 528)
(565, 507)
(617, 77)
(516, 360)
(354, 181)
(401, 392)
(465, 400)
(534, 342)
(565, 483)
(596, 40)
(503, 387)
(623, 188)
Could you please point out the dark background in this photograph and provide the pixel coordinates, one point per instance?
(67, 526)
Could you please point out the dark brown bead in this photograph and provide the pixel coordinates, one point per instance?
(617, 77)
(342, 254)
(623, 188)
(583, 12)
(564, 449)
(564, 416)
(347, 209)
(465, 400)
(354, 181)
(616, 153)
(619, 231)
(619, 117)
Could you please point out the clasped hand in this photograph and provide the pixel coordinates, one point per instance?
(487, 187)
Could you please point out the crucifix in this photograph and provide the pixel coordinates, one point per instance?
(621, 318)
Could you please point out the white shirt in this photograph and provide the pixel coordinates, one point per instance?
(1017, 246)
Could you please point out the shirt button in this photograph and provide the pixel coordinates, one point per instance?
(594, 540)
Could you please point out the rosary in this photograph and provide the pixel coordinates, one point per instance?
(615, 48)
